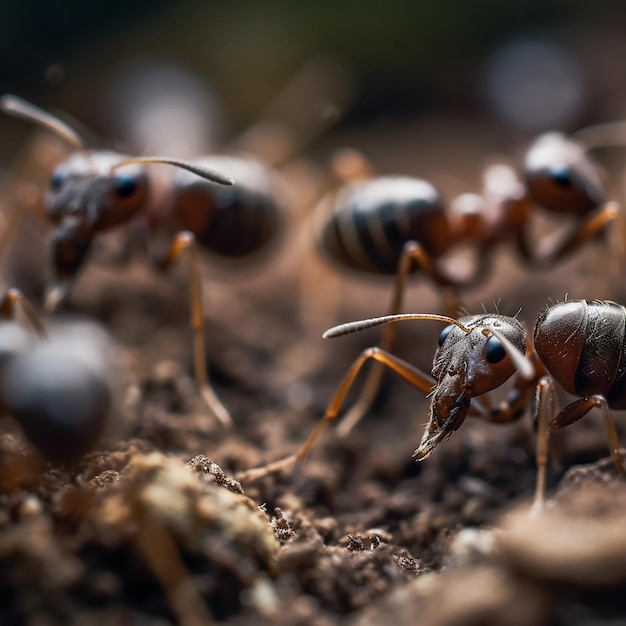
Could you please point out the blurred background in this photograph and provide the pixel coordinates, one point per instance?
(436, 87)
(526, 66)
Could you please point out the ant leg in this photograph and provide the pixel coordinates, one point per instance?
(578, 409)
(589, 228)
(412, 252)
(408, 372)
(14, 297)
(186, 241)
(544, 413)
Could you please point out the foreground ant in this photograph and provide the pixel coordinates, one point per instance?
(397, 224)
(93, 191)
(57, 386)
(579, 344)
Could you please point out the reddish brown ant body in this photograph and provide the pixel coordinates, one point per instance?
(581, 345)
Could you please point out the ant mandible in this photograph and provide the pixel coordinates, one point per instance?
(579, 344)
(93, 191)
(397, 224)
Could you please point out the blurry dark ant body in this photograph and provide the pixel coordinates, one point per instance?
(399, 224)
(581, 345)
(93, 191)
(58, 386)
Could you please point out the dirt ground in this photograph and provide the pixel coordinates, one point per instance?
(152, 529)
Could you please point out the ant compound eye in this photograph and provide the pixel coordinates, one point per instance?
(126, 186)
(561, 175)
(444, 333)
(494, 351)
(56, 181)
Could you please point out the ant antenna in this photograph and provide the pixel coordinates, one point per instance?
(204, 172)
(522, 363)
(353, 327)
(16, 106)
(604, 135)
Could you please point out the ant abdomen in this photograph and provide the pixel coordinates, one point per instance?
(60, 389)
(373, 220)
(581, 343)
(233, 222)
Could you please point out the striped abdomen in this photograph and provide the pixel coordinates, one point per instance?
(373, 220)
(581, 344)
(230, 221)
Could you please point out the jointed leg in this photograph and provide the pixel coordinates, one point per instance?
(578, 409)
(545, 408)
(589, 228)
(411, 253)
(408, 372)
(186, 241)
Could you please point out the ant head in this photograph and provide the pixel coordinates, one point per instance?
(480, 358)
(561, 177)
(476, 354)
(470, 361)
(96, 189)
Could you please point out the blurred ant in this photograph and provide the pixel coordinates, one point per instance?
(59, 387)
(399, 224)
(93, 191)
(579, 344)
(383, 224)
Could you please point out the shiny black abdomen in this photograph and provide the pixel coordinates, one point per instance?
(582, 345)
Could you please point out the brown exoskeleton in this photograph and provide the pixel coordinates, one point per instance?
(93, 191)
(578, 344)
(397, 224)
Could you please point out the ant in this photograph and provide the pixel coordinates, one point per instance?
(578, 344)
(59, 387)
(398, 224)
(382, 224)
(93, 191)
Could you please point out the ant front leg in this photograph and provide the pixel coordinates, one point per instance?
(186, 241)
(413, 254)
(412, 375)
(593, 225)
